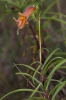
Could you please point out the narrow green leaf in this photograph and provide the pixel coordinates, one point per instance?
(58, 14)
(30, 67)
(19, 90)
(15, 4)
(47, 65)
(58, 89)
(53, 71)
(50, 6)
(21, 73)
(54, 18)
(54, 89)
(36, 72)
(35, 91)
(48, 58)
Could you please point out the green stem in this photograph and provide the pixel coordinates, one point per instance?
(40, 52)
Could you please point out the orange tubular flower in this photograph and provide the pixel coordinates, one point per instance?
(22, 20)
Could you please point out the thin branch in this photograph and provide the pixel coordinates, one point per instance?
(27, 79)
(34, 34)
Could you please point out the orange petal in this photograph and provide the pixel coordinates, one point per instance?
(21, 24)
(29, 11)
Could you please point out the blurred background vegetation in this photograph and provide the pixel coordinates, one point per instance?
(22, 48)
